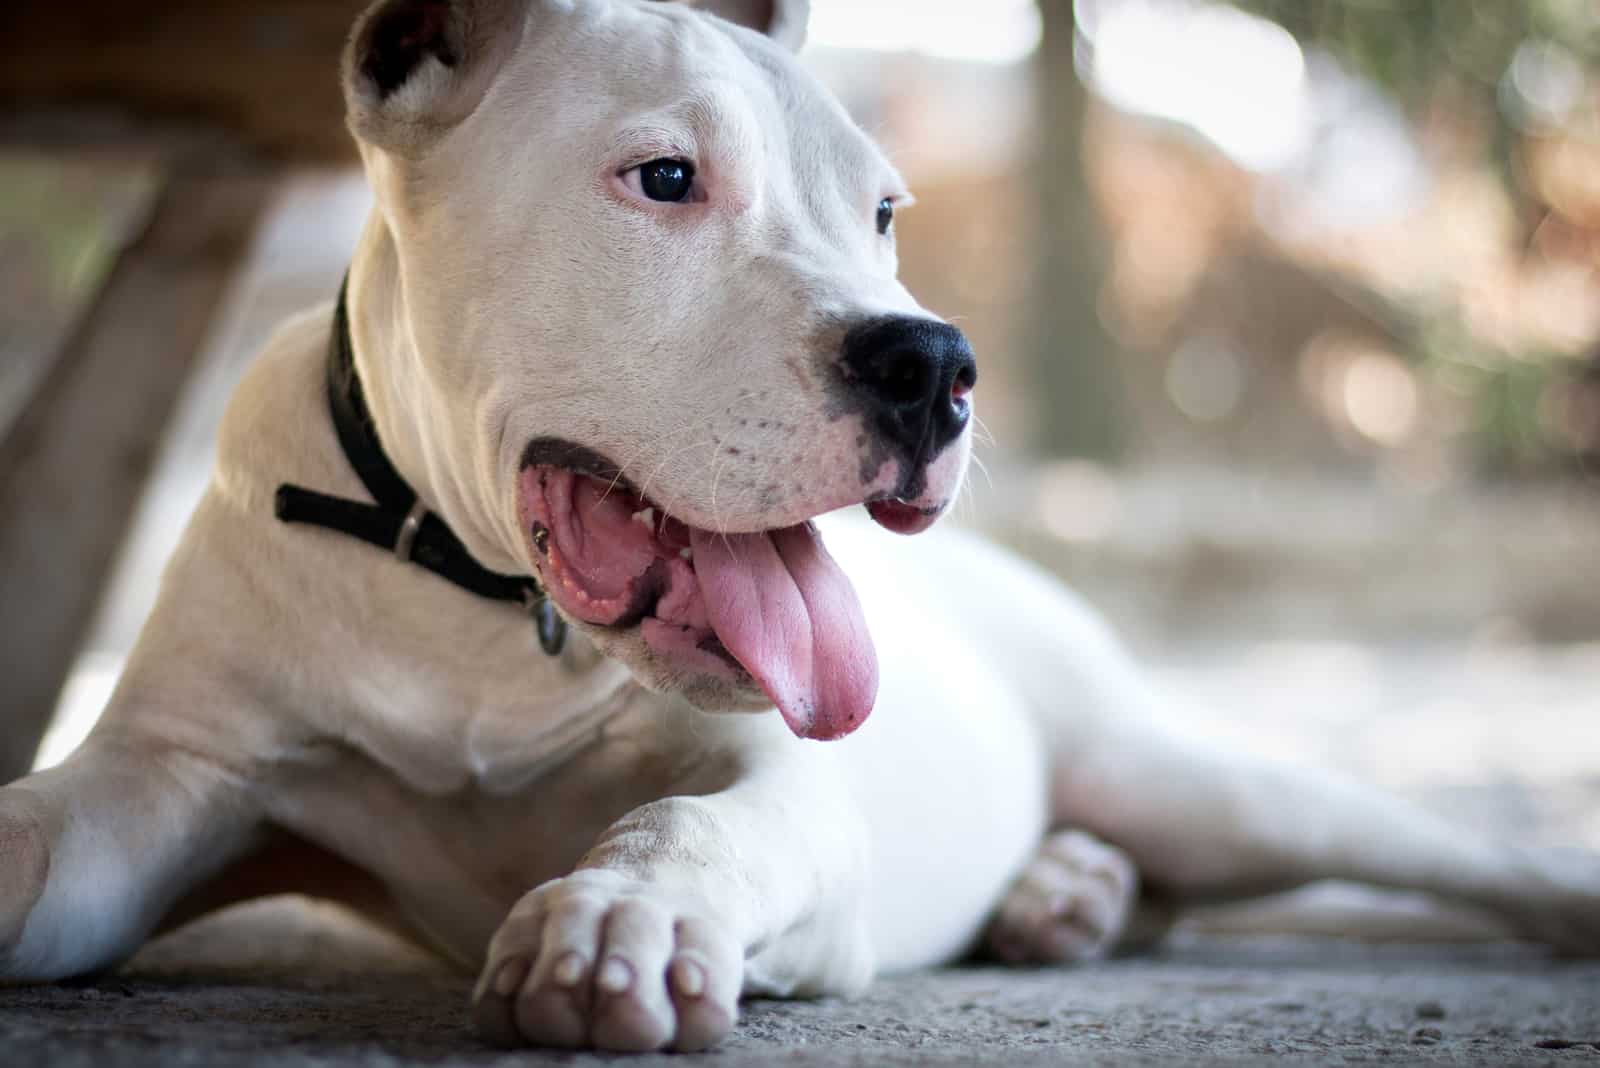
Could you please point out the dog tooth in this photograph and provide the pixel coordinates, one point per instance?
(645, 517)
(686, 553)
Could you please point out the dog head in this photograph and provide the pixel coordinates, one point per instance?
(629, 298)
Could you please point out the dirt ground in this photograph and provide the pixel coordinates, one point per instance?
(284, 983)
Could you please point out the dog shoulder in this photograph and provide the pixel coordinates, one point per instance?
(276, 428)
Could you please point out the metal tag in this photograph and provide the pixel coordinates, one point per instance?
(548, 622)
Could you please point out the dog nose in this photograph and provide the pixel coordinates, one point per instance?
(916, 377)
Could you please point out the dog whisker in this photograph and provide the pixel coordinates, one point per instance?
(981, 431)
(669, 456)
(659, 445)
(977, 461)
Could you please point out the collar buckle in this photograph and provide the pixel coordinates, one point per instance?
(396, 519)
(406, 540)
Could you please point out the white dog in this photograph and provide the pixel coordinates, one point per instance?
(625, 321)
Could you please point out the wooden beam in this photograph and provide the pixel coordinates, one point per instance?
(267, 71)
(73, 468)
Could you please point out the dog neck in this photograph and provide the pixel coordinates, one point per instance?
(431, 443)
(587, 687)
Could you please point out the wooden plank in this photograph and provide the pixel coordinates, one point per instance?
(64, 220)
(77, 460)
(301, 249)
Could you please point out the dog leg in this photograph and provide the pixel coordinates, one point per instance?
(94, 852)
(1205, 825)
(645, 946)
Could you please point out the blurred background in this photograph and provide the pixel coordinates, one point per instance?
(1288, 314)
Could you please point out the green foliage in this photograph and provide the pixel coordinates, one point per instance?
(1415, 48)
(1454, 55)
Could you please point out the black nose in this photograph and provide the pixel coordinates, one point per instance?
(915, 377)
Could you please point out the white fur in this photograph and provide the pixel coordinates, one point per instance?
(504, 290)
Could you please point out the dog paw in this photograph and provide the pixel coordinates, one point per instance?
(1558, 901)
(599, 961)
(1072, 903)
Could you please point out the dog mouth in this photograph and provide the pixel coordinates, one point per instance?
(769, 610)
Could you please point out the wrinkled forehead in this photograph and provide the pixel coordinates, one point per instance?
(660, 77)
(821, 135)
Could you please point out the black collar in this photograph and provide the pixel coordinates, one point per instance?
(400, 521)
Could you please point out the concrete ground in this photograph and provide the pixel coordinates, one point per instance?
(1499, 738)
(284, 983)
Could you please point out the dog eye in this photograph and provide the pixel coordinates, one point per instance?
(885, 215)
(669, 181)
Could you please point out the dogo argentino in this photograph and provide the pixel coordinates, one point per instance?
(623, 323)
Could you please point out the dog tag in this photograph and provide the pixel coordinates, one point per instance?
(551, 627)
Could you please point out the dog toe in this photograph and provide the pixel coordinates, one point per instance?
(552, 1008)
(703, 980)
(493, 1004)
(632, 1010)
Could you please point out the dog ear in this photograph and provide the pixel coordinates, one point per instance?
(782, 20)
(414, 68)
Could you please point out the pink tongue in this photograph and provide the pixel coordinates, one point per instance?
(786, 611)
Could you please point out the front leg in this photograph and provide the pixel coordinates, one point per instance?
(94, 853)
(680, 908)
